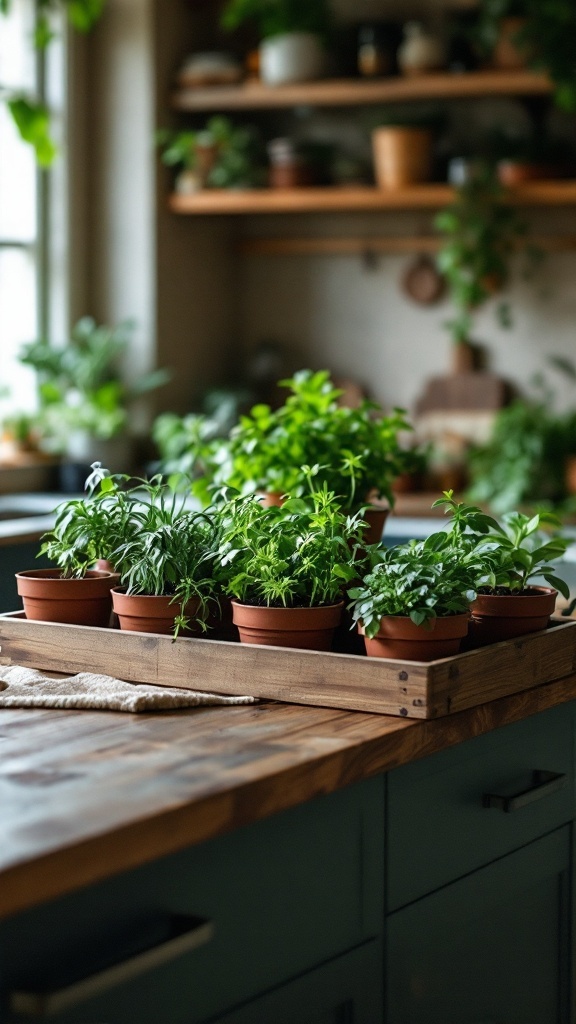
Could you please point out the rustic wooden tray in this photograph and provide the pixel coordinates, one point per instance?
(409, 688)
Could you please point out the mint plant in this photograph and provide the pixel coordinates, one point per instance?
(418, 579)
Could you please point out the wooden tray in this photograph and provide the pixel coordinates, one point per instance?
(409, 688)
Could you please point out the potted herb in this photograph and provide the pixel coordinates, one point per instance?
(415, 603)
(165, 562)
(285, 567)
(291, 34)
(509, 557)
(84, 400)
(355, 452)
(85, 531)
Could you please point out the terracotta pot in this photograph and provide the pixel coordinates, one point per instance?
(402, 156)
(309, 628)
(49, 597)
(149, 613)
(270, 498)
(570, 474)
(503, 616)
(375, 516)
(517, 172)
(508, 54)
(399, 637)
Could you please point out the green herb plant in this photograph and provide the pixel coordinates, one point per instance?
(80, 383)
(301, 554)
(30, 115)
(420, 579)
(352, 452)
(507, 554)
(169, 549)
(87, 529)
(156, 543)
(275, 17)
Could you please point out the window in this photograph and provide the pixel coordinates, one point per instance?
(22, 214)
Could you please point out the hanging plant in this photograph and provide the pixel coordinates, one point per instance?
(30, 115)
(481, 232)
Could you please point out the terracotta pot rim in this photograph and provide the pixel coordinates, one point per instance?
(121, 592)
(55, 575)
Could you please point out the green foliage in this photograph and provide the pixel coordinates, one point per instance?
(80, 385)
(509, 554)
(30, 115)
(524, 459)
(155, 542)
(238, 155)
(547, 37)
(299, 555)
(90, 528)
(419, 579)
(481, 232)
(33, 123)
(352, 452)
(274, 17)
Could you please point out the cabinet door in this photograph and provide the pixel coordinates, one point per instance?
(347, 990)
(491, 948)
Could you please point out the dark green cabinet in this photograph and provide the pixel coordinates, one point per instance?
(488, 948)
(347, 990)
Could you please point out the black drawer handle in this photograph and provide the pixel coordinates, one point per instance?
(186, 934)
(543, 785)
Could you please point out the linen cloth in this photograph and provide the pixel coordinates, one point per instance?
(28, 688)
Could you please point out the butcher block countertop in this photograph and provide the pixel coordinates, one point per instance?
(85, 795)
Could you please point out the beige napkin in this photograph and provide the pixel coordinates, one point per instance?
(27, 688)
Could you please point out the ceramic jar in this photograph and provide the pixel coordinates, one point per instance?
(291, 57)
(421, 50)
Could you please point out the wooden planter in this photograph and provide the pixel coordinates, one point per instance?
(411, 689)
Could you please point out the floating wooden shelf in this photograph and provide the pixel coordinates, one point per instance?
(347, 92)
(319, 200)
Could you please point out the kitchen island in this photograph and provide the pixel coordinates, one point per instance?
(314, 865)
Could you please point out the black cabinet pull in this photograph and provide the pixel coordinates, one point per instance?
(543, 785)
(185, 934)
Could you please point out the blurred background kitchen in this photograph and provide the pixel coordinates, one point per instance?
(212, 195)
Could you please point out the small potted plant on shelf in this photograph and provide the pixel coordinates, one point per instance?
(415, 603)
(355, 452)
(402, 147)
(292, 34)
(510, 557)
(221, 155)
(286, 567)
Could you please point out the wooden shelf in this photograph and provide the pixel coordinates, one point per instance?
(320, 200)
(347, 92)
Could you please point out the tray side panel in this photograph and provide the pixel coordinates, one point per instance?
(505, 668)
(303, 677)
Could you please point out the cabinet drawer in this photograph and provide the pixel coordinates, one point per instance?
(281, 897)
(438, 827)
(490, 947)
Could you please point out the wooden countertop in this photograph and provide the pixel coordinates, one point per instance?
(84, 795)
